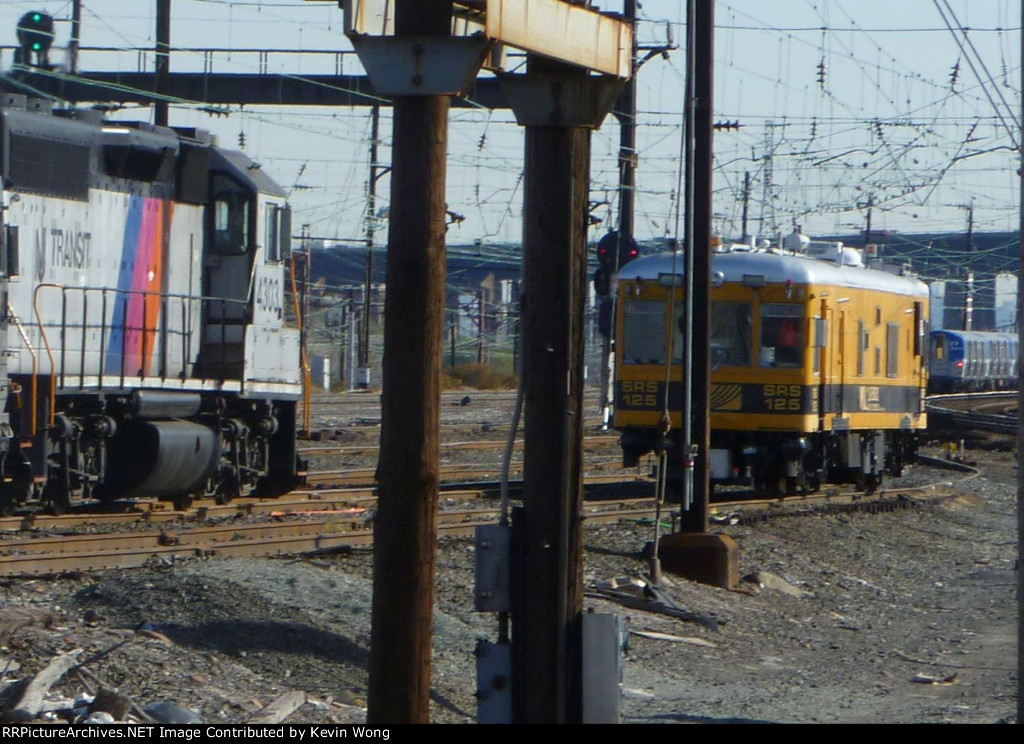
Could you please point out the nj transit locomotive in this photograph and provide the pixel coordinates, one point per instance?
(968, 361)
(143, 344)
(819, 366)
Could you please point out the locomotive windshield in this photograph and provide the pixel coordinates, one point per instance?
(732, 334)
(644, 332)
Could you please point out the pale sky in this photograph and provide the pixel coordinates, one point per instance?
(855, 101)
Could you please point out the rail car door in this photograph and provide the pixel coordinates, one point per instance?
(227, 267)
(829, 368)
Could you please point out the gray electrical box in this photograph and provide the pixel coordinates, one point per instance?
(493, 568)
(493, 682)
(603, 642)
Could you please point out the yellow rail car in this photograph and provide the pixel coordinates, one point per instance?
(819, 369)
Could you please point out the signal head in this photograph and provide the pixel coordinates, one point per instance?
(35, 33)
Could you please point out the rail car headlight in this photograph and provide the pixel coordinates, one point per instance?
(717, 279)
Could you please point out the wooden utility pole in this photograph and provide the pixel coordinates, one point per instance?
(76, 35)
(407, 471)
(695, 519)
(1020, 430)
(371, 218)
(163, 59)
(548, 600)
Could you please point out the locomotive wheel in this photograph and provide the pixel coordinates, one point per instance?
(6, 502)
(57, 500)
(227, 490)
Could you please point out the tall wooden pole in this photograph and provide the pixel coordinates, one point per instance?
(1020, 419)
(76, 36)
(695, 519)
(371, 218)
(407, 471)
(546, 625)
(163, 58)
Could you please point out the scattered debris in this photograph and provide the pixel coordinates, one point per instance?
(13, 618)
(640, 595)
(928, 679)
(281, 708)
(673, 638)
(766, 580)
(731, 518)
(22, 700)
(164, 712)
(156, 635)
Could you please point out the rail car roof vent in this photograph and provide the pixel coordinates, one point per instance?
(835, 252)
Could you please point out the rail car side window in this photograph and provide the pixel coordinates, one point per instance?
(782, 335)
(644, 332)
(892, 351)
(231, 215)
(732, 334)
(862, 347)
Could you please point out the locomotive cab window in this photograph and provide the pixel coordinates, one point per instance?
(782, 335)
(232, 208)
(644, 332)
(279, 226)
(273, 251)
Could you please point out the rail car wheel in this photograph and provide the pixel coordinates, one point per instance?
(874, 483)
(182, 501)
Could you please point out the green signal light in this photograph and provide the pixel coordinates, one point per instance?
(36, 47)
(36, 17)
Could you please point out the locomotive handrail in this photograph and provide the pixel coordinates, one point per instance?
(307, 375)
(49, 353)
(161, 329)
(28, 345)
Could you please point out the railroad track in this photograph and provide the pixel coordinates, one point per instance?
(973, 411)
(308, 524)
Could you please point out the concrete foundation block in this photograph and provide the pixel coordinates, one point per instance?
(701, 556)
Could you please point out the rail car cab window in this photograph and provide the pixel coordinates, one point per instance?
(782, 335)
(644, 332)
(939, 347)
(232, 208)
(732, 334)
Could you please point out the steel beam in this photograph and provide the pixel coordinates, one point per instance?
(220, 89)
(556, 29)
